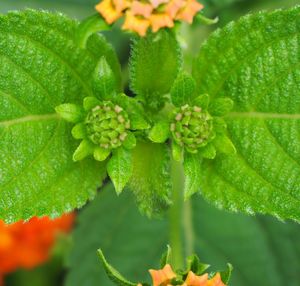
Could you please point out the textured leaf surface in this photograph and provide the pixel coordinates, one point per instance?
(41, 68)
(154, 65)
(263, 250)
(255, 62)
(150, 180)
(119, 168)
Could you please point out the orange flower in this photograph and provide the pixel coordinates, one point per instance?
(140, 15)
(28, 244)
(163, 276)
(194, 280)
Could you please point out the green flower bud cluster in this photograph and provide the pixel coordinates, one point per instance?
(192, 127)
(107, 125)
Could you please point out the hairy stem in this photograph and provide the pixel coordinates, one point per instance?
(176, 215)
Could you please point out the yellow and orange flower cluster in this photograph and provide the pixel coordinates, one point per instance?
(28, 244)
(163, 277)
(143, 14)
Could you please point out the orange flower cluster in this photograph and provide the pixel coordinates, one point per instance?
(26, 245)
(163, 277)
(141, 15)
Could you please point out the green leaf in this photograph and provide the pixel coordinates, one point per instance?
(160, 132)
(119, 168)
(262, 77)
(183, 90)
(194, 265)
(177, 152)
(135, 111)
(130, 141)
(260, 248)
(150, 181)
(202, 101)
(88, 27)
(90, 102)
(226, 275)
(70, 112)
(166, 257)
(154, 64)
(208, 151)
(79, 131)
(41, 68)
(112, 273)
(224, 145)
(84, 149)
(220, 106)
(101, 154)
(192, 169)
(104, 81)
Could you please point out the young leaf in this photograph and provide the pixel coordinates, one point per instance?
(183, 90)
(119, 168)
(135, 111)
(41, 68)
(192, 169)
(104, 81)
(226, 275)
(166, 257)
(70, 112)
(220, 106)
(194, 265)
(150, 180)
(112, 273)
(261, 77)
(154, 64)
(88, 27)
(160, 132)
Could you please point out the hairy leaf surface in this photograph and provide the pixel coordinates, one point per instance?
(263, 250)
(150, 181)
(41, 67)
(255, 62)
(154, 64)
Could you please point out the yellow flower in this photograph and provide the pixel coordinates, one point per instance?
(141, 15)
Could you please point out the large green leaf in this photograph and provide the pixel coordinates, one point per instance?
(41, 67)
(255, 62)
(262, 250)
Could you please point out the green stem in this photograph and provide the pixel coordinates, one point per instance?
(176, 216)
(188, 228)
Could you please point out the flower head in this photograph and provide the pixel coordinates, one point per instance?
(192, 127)
(141, 15)
(28, 244)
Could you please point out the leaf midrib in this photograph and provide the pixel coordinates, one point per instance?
(29, 118)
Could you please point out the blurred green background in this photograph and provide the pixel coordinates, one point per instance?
(263, 250)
